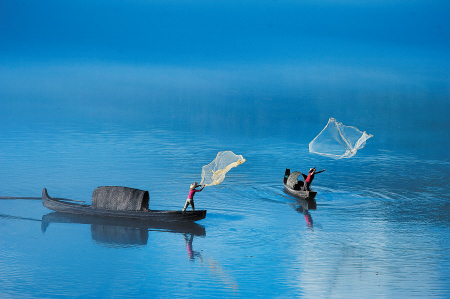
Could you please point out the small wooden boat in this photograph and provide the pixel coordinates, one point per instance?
(121, 209)
(293, 186)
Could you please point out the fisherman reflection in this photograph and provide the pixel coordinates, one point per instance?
(188, 238)
(308, 217)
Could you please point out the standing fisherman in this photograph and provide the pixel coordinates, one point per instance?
(308, 179)
(190, 198)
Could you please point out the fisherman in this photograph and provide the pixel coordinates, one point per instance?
(308, 179)
(190, 198)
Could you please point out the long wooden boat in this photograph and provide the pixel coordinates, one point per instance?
(69, 206)
(293, 187)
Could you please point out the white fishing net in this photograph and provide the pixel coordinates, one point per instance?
(214, 172)
(338, 141)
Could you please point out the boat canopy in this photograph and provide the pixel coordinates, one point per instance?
(120, 198)
(293, 179)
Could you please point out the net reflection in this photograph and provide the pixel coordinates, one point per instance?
(115, 232)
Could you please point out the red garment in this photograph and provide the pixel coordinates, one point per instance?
(310, 178)
(192, 192)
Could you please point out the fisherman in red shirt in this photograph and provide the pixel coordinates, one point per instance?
(190, 198)
(308, 179)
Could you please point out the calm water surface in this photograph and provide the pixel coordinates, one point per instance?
(380, 229)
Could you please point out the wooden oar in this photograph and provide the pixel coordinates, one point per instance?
(11, 197)
(37, 198)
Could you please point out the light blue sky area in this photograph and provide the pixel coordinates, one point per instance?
(202, 63)
(205, 31)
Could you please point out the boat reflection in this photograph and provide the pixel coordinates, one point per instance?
(116, 232)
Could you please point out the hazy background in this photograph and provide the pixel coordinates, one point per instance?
(197, 64)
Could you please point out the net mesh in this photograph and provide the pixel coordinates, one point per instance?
(338, 141)
(214, 172)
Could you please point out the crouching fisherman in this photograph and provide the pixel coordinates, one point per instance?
(190, 198)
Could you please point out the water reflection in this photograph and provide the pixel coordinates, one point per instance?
(305, 212)
(113, 232)
(188, 238)
(303, 206)
(4, 216)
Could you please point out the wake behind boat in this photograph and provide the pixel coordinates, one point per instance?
(120, 202)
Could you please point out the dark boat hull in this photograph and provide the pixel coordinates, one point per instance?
(294, 188)
(63, 206)
(304, 198)
(306, 195)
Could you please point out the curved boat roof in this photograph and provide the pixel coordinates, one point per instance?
(120, 198)
(293, 179)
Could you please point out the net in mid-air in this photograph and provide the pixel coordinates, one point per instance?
(338, 141)
(214, 172)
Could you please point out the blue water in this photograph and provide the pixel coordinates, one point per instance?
(144, 94)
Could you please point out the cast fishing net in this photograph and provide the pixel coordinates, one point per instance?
(338, 141)
(214, 172)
